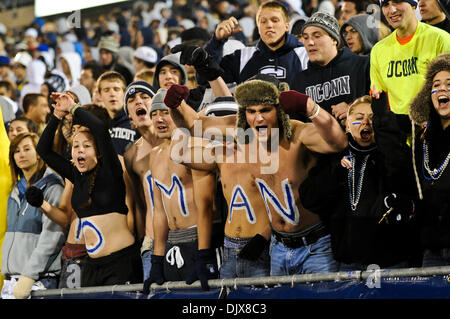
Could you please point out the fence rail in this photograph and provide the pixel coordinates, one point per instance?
(261, 281)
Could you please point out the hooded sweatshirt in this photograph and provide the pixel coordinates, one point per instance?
(74, 61)
(343, 79)
(173, 59)
(369, 35)
(32, 244)
(284, 63)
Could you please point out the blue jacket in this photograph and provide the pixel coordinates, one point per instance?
(32, 243)
(284, 63)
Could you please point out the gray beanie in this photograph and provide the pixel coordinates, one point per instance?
(158, 101)
(325, 21)
(82, 93)
(109, 43)
(369, 35)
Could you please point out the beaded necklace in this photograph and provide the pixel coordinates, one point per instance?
(437, 172)
(354, 193)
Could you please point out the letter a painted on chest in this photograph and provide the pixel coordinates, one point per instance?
(290, 211)
(239, 200)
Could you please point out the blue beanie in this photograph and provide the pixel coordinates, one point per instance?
(137, 86)
(411, 2)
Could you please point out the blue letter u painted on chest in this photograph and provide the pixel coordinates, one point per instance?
(169, 192)
(289, 213)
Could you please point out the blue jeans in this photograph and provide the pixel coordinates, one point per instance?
(236, 267)
(440, 258)
(308, 259)
(147, 263)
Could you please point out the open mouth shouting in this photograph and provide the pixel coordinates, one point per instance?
(443, 101)
(366, 134)
(262, 130)
(141, 112)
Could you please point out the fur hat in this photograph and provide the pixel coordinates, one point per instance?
(421, 105)
(261, 89)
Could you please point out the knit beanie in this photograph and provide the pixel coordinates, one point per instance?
(411, 2)
(109, 43)
(82, 93)
(158, 101)
(325, 21)
(137, 86)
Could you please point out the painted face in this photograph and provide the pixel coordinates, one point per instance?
(163, 123)
(15, 128)
(440, 94)
(169, 75)
(112, 94)
(272, 26)
(262, 118)
(25, 155)
(399, 14)
(321, 48)
(359, 124)
(353, 39)
(138, 106)
(84, 153)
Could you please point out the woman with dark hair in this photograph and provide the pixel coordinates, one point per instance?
(32, 245)
(363, 193)
(98, 196)
(431, 110)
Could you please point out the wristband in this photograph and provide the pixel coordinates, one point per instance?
(74, 107)
(316, 113)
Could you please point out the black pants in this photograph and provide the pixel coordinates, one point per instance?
(121, 267)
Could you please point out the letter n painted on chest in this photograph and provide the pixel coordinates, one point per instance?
(289, 211)
(176, 183)
(240, 201)
(149, 178)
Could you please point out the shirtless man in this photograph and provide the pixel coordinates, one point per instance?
(175, 211)
(300, 242)
(138, 98)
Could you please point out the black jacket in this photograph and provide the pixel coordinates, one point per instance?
(284, 63)
(343, 79)
(356, 235)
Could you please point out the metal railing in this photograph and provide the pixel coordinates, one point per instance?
(261, 281)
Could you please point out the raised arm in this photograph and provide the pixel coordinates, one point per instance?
(325, 134)
(45, 149)
(185, 117)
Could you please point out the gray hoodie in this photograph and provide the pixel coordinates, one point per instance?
(173, 59)
(367, 29)
(32, 243)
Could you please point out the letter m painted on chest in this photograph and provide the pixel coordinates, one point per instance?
(176, 183)
(289, 211)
